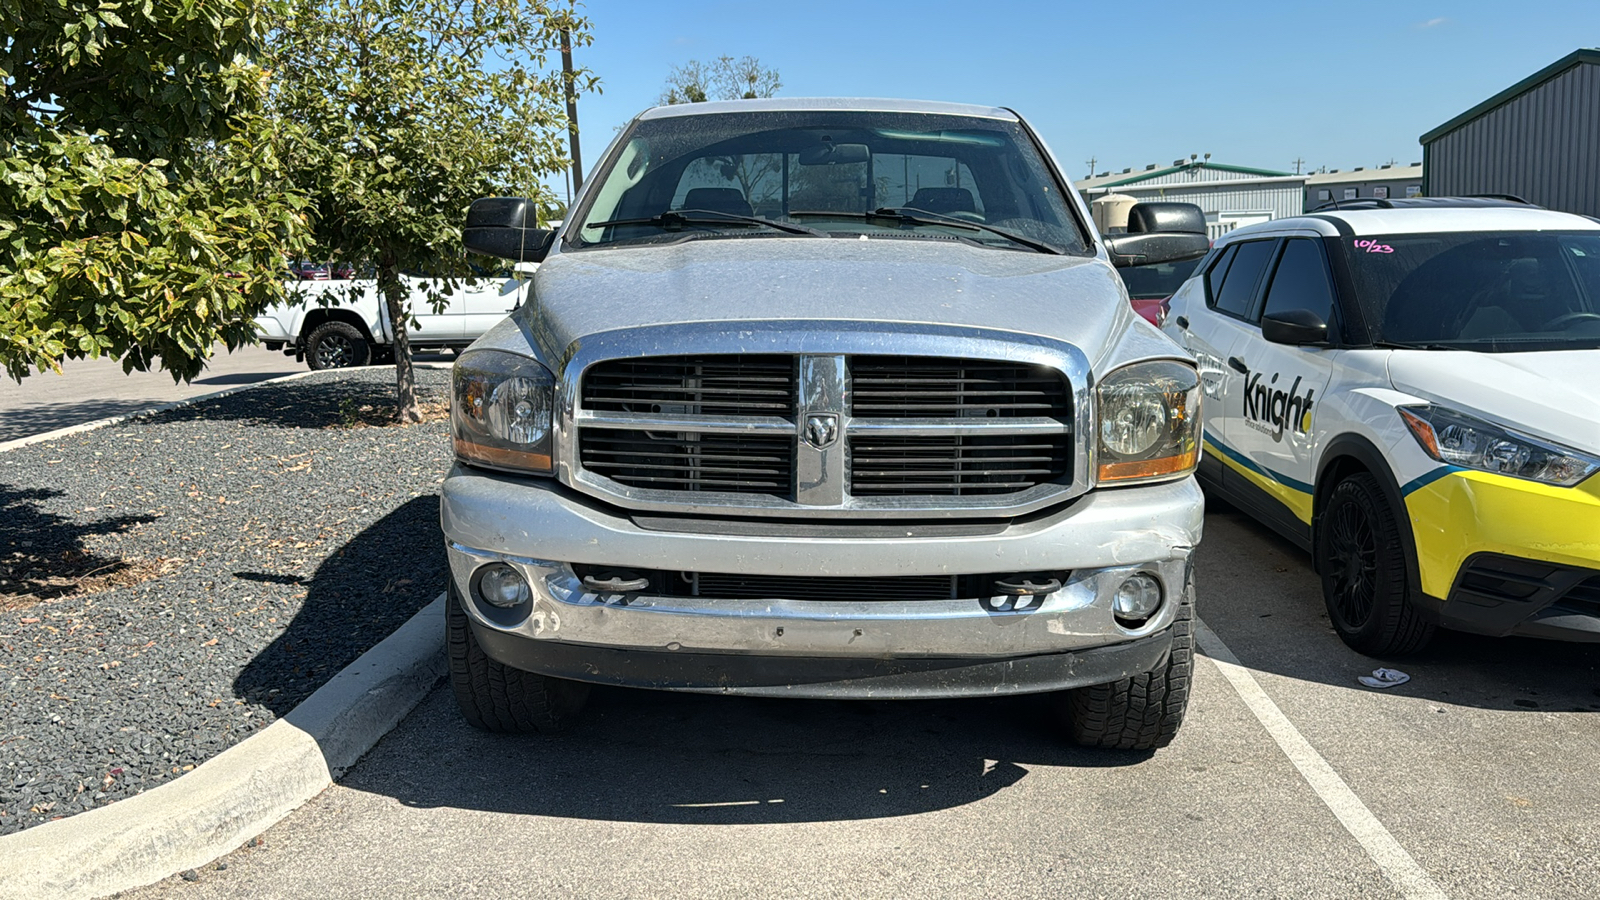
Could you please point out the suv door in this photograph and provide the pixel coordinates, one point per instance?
(1213, 332)
(1269, 423)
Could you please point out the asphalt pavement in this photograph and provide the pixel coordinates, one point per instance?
(1289, 779)
(90, 389)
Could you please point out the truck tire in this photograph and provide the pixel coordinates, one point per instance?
(337, 345)
(1363, 566)
(496, 697)
(1142, 712)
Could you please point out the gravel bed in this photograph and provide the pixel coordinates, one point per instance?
(248, 549)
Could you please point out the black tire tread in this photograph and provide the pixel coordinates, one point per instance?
(1400, 628)
(496, 697)
(335, 326)
(1142, 712)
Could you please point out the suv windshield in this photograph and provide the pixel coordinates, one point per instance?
(1157, 281)
(1495, 292)
(830, 173)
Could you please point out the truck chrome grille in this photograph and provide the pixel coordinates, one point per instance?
(676, 461)
(816, 432)
(888, 387)
(690, 385)
(960, 465)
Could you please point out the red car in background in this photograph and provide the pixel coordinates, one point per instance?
(1150, 287)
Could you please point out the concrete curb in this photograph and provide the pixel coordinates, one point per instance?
(176, 404)
(239, 793)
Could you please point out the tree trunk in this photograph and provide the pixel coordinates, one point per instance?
(407, 410)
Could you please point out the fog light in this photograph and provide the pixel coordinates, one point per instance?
(1137, 598)
(501, 585)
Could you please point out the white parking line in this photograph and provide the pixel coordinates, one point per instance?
(1396, 864)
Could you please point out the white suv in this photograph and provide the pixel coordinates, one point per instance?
(1410, 390)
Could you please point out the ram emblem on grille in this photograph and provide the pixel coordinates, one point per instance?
(822, 430)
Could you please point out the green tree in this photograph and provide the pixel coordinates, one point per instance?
(724, 78)
(398, 115)
(141, 215)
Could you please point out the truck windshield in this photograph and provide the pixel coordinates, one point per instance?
(1493, 292)
(830, 173)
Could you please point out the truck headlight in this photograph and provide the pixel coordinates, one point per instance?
(1471, 443)
(501, 406)
(1149, 416)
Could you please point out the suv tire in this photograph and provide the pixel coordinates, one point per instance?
(1142, 712)
(1363, 568)
(337, 345)
(496, 697)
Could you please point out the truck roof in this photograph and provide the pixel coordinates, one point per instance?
(852, 104)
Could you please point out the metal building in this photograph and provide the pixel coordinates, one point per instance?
(1361, 183)
(1538, 139)
(1232, 196)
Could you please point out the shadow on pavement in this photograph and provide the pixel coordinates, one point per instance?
(646, 756)
(358, 596)
(39, 418)
(238, 378)
(1262, 597)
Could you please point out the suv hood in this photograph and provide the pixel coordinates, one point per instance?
(1074, 299)
(1554, 395)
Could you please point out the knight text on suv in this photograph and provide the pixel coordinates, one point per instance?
(829, 398)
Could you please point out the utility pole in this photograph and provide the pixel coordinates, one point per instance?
(1297, 164)
(1091, 163)
(572, 109)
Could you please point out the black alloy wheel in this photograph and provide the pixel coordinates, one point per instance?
(1364, 574)
(337, 345)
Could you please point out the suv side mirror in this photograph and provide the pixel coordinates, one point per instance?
(1159, 233)
(504, 227)
(1295, 327)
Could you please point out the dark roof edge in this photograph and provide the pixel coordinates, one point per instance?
(1561, 65)
(1220, 167)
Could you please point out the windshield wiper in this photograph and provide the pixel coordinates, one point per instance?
(681, 217)
(1396, 345)
(910, 215)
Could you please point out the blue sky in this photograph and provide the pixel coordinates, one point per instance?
(1257, 84)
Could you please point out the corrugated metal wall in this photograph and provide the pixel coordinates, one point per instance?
(1280, 198)
(1543, 146)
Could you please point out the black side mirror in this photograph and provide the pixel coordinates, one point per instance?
(1159, 233)
(504, 227)
(1295, 327)
(1166, 218)
(1148, 249)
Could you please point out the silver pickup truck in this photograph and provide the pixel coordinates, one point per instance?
(826, 398)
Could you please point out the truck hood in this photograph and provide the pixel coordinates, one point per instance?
(1554, 394)
(1074, 299)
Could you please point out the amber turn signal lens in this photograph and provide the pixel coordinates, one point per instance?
(1150, 468)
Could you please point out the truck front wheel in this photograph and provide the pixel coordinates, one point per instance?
(1142, 712)
(496, 697)
(337, 345)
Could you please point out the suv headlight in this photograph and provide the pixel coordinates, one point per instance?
(1149, 416)
(501, 406)
(1471, 443)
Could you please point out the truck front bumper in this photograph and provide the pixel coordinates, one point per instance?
(854, 646)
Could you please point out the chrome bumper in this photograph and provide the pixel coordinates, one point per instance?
(542, 529)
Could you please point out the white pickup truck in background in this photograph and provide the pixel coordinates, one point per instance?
(340, 323)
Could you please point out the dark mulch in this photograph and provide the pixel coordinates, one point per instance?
(173, 584)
